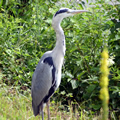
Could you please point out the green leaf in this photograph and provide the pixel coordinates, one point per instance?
(74, 84)
(96, 107)
(68, 74)
(63, 92)
(81, 7)
(1, 2)
(90, 88)
(89, 91)
(82, 73)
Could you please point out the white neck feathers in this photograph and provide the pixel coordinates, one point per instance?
(60, 42)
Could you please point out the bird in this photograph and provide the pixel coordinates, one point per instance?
(47, 75)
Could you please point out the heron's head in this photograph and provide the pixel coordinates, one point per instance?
(65, 12)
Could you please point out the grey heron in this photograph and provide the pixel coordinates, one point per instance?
(47, 76)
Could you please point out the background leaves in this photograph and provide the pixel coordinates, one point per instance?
(26, 33)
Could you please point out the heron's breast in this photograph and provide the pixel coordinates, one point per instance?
(58, 78)
(58, 62)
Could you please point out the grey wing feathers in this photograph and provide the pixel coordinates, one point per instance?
(41, 84)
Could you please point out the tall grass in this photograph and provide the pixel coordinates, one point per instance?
(17, 106)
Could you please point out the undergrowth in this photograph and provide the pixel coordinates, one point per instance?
(17, 106)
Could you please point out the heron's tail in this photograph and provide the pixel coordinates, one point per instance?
(36, 109)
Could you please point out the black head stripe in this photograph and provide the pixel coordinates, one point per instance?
(61, 11)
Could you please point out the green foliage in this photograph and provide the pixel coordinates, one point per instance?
(26, 33)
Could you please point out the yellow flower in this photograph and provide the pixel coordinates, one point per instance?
(104, 61)
(104, 81)
(104, 69)
(104, 95)
(105, 54)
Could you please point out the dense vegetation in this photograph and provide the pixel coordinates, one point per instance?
(26, 33)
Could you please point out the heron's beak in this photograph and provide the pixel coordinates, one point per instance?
(77, 11)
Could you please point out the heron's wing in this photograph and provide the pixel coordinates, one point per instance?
(43, 81)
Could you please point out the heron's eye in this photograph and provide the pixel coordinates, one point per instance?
(68, 12)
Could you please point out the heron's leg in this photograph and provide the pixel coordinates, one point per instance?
(42, 111)
(42, 115)
(48, 110)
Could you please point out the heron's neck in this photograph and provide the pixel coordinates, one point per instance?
(60, 42)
